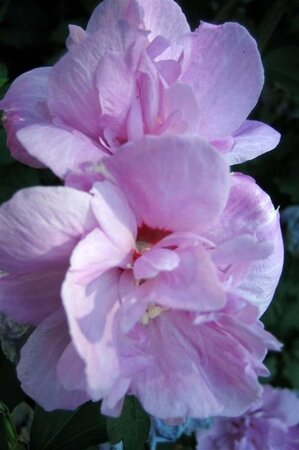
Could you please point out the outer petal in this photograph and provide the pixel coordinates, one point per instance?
(225, 70)
(210, 368)
(250, 211)
(160, 17)
(90, 310)
(76, 35)
(24, 104)
(154, 261)
(192, 286)
(30, 298)
(108, 13)
(251, 140)
(38, 364)
(40, 227)
(282, 404)
(114, 215)
(61, 150)
(165, 18)
(94, 255)
(167, 181)
(72, 85)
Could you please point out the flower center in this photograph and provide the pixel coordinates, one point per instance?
(151, 236)
(152, 312)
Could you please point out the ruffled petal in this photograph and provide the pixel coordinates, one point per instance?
(30, 298)
(37, 368)
(62, 150)
(191, 286)
(90, 311)
(251, 140)
(25, 103)
(72, 94)
(40, 226)
(165, 18)
(224, 68)
(114, 215)
(167, 181)
(154, 261)
(160, 17)
(108, 13)
(76, 35)
(249, 211)
(94, 255)
(211, 368)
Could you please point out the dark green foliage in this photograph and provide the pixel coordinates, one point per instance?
(68, 430)
(132, 427)
(10, 391)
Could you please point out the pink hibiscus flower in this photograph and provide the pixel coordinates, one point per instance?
(164, 275)
(271, 423)
(138, 70)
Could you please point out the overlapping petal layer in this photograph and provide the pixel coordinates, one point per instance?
(154, 286)
(270, 423)
(138, 70)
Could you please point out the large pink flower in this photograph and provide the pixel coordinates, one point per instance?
(138, 70)
(164, 275)
(271, 423)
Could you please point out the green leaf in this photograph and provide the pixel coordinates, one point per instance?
(8, 434)
(282, 65)
(132, 427)
(5, 156)
(15, 177)
(10, 390)
(291, 368)
(3, 74)
(68, 430)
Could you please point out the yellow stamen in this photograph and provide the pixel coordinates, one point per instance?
(151, 313)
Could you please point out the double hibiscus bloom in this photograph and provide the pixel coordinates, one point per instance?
(147, 272)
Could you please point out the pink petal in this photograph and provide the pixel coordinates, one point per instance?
(192, 286)
(149, 86)
(40, 227)
(76, 35)
(108, 13)
(210, 368)
(251, 140)
(90, 311)
(94, 255)
(234, 256)
(70, 370)
(282, 404)
(160, 17)
(167, 181)
(165, 18)
(250, 211)
(60, 149)
(114, 215)
(154, 261)
(37, 367)
(225, 70)
(30, 298)
(72, 84)
(115, 82)
(180, 98)
(24, 104)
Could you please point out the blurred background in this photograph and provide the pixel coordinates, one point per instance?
(33, 33)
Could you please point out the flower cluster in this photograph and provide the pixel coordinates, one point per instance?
(148, 271)
(270, 423)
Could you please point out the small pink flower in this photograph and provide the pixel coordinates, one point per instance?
(138, 70)
(271, 423)
(164, 275)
